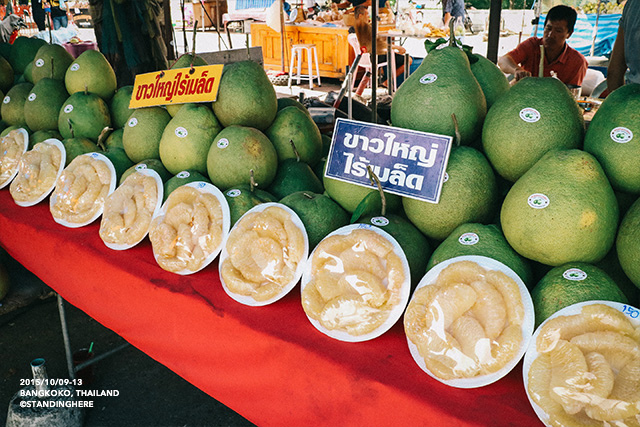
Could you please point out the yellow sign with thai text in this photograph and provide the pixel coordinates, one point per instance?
(179, 86)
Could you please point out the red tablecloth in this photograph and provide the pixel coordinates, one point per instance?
(267, 363)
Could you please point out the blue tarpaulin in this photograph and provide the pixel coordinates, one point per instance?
(253, 4)
(582, 36)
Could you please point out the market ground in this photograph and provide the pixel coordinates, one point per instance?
(149, 393)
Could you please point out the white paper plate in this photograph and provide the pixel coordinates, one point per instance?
(160, 190)
(204, 187)
(45, 194)
(396, 312)
(112, 186)
(632, 313)
(527, 325)
(14, 172)
(247, 300)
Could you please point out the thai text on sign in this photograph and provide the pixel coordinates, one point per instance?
(179, 86)
(408, 163)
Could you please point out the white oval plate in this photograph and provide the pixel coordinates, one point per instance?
(396, 312)
(527, 325)
(24, 150)
(247, 300)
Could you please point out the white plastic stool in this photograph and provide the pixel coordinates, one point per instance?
(296, 55)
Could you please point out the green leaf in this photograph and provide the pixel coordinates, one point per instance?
(371, 203)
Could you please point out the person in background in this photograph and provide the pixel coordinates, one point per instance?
(38, 14)
(452, 9)
(58, 13)
(568, 64)
(626, 52)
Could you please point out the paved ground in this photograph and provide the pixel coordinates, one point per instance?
(150, 394)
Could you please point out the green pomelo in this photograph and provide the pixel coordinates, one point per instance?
(4, 281)
(187, 137)
(326, 145)
(114, 139)
(482, 240)
(28, 72)
(185, 61)
(292, 124)
(6, 75)
(74, 147)
(628, 243)
(241, 198)
(119, 106)
(83, 115)
(51, 61)
(492, 80)
(91, 72)
(43, 135)
(12, 109)
(154, 164)
(143, 132)
(535, 116)
(561, 210)
(182, 178)
(613, 137)
(290, 102)
(319, 214)
(23, 50)
(610, 264)
(237, 150)
(468, 195)
(8, 129)
(5, 50)
(293, 176)
(246, 96)
(441, 86)
(173, 109)
(350, 195)
(572, 283)
(121, 162)
(415, 245)
(44, 103)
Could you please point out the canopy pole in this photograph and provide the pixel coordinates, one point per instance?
(374, 61)
(495, 10)
(282, 36)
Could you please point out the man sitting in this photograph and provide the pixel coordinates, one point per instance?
(567, 63)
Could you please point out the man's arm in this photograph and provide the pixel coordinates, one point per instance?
(509, 66)
(617, 63)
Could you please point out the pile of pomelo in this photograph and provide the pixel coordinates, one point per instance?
(526, 184)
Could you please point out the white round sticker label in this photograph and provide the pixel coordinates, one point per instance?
(183, 174)
(538, 201)
(32, 97)
(621, 135)
(68, 108)
(7, 99)
(530, 115)
(75, 67)
(446, 177)
(223, 143)
(468, 239)
(181, 132)
(132, 122)
(574, 274)
(428, 78)
(141, 167)
(39, 62)
(234, 193)
(380, 221)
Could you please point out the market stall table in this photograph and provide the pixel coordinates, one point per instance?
(269, 364)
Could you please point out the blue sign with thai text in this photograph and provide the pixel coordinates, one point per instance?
(408, 163)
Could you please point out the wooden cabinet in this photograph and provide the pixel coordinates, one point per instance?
(335, 54)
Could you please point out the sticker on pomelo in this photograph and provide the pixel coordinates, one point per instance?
(234, 193)
(469, 239)
(68, 108)
(446, 177)
(132, 122)
(75, 67)
(621, 135)
(39, 62)
(428, 78)
(141, 167)
(574, 274)
(7, 99)
(183, 174)
(31, 97)
(223, 143)
(181, 132)
(538, 201)
(380, 221)
(530, 115)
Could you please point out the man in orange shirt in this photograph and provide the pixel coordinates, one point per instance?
(567, 63)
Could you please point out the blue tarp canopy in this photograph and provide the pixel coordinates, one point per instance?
(582, 37)
(253, 4)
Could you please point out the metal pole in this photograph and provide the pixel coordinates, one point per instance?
(595, 30)
(65, 336)
(374, 60)
(494, 30)
(282, 42)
